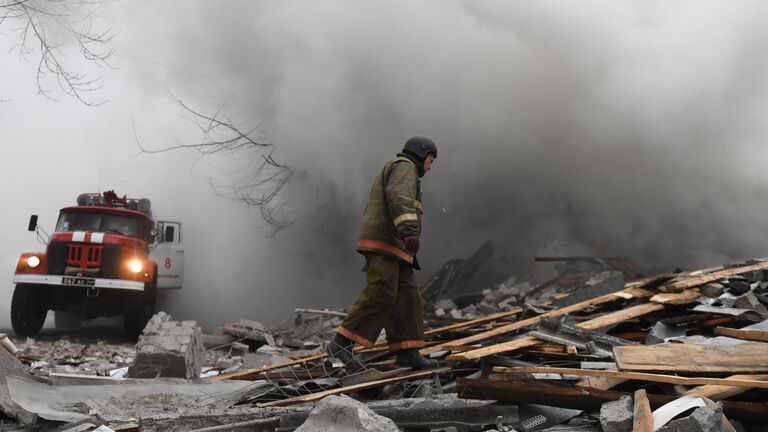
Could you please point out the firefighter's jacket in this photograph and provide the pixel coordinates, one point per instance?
(393, 211)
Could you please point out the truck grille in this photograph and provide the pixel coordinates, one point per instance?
(103, 259)
(84, 256)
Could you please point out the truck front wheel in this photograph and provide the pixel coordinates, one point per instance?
(139, 312)
(28, 310)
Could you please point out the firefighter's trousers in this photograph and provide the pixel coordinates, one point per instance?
(391, 300)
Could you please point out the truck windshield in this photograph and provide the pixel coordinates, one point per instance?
(102, 222)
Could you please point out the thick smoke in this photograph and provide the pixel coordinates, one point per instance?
(618, 128)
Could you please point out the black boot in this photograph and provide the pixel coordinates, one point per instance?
(412, 359)
(340, 348)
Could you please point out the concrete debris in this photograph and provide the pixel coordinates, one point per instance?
(661, 332)
(77, 399)
(10, 408)
(704, 419)
(749, 301)
(712, 289)
(168, 349)
(8, 344)
(344, 414)
(260, 359)
(616, 416)
(218, 341)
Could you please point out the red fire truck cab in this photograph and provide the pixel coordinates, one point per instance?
(104, 259)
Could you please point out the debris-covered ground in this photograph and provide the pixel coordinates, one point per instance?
(600, 346)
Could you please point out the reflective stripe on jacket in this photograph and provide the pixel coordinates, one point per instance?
(393, 211)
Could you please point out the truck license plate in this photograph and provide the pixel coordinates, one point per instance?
(78, 281)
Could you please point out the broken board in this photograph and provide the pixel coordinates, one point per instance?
(692, 358)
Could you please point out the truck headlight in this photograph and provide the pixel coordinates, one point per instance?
(33, 261)
(135, 266)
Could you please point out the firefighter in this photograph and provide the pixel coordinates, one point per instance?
(389, 239)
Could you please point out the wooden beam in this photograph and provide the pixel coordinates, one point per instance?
(722, 392)
(596, 323)
(692, 279)
(643, 420)
(750, 335)
(639, 376)
(348, 389)
(691, 358)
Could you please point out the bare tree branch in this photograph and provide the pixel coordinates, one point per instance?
(46, 29)
(263, 180)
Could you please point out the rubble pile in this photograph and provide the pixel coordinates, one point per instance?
(598, 347)
(70, 357)
(563, 348)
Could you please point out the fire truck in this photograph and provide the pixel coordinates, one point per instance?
(106, 257)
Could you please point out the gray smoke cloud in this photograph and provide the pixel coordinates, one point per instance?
(593, 127)
(627, 128)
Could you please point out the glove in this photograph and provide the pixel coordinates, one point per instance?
(412, 244)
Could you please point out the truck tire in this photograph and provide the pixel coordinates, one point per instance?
(66, 320)
(28, 310)
(139, 312)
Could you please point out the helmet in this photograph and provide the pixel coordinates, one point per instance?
(420, 147)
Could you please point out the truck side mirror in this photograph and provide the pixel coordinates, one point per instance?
(169, 233)
(32, 223)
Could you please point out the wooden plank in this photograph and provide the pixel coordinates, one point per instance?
(624, 294)
(643, 420)
(681, 298)
(595, 323)
(348, 389)
(639, 376)
(722, 392)
(750, 335)
(473, 323)
(584, 398)
(692, 279)
(622, 315)
(744, 358)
